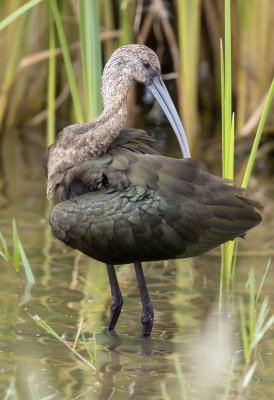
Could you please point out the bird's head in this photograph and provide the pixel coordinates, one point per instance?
(136, 62)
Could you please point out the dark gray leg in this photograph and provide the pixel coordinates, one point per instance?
(148, 313)
(117, 299)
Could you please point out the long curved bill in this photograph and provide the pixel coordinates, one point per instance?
(159, 91)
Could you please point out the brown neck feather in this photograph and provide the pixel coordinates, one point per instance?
(101, 132)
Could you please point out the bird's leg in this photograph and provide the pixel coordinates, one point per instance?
(148, 313)
(117, 299)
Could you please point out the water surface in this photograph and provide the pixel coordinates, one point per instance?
(71, 287)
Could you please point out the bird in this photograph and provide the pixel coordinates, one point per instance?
(119, 201)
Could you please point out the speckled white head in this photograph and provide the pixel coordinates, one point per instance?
(134, 62)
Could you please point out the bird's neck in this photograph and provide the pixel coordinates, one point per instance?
(106, 127)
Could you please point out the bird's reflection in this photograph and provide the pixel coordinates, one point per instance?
(108, 381)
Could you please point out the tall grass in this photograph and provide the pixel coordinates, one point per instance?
(125, 14)
(227, 145)
(67, 60)
(17, 13)
(51, 84)
(91, 56)
(228, 249)
(153, 25)
(189, 15)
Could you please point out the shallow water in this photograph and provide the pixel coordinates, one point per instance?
(70, 287)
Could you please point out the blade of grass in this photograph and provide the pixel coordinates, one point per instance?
(223, 287)
(125, 22)
(229, 378)
(258, 136)
(164, 391)
(180, 378)
(107, 18)
(236, 242)
(94, 346)
(263, 331)
(229, 250)
(16, 253)
(262, 281)
(223, 106)
(3, 255)
(51, 84)
(28, 271)
(252, 306)
(245, 338)
(249, 374)
(67, 60)
(189, 16)
(91, 56)
(260, 327)
(92, 356)
(78, 333)
(27, 295)
(5, 248)
(39, 321)
(21, 10)
(12, 64)
(227, 91)
(231, 150)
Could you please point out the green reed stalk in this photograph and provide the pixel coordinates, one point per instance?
(227, 144)
(12, 64)
(258, 136)
(91, 56)
(223, 105)
(51, 85)
(254, 45)
(67, 60)
(228, 261)
(78, 333)
(16, 253)
(189, 13)
(21, 10)
(108, 20)
(125, 22)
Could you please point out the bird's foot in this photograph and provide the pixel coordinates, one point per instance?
(115, 310)
(147, 319)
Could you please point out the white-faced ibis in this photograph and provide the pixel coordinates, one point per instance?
(121, 202)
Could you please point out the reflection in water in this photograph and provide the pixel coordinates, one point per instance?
(112, 368)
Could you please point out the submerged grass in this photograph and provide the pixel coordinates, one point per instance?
(43, 324)
(254, 326)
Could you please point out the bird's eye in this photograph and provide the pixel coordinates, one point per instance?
(146, 64)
